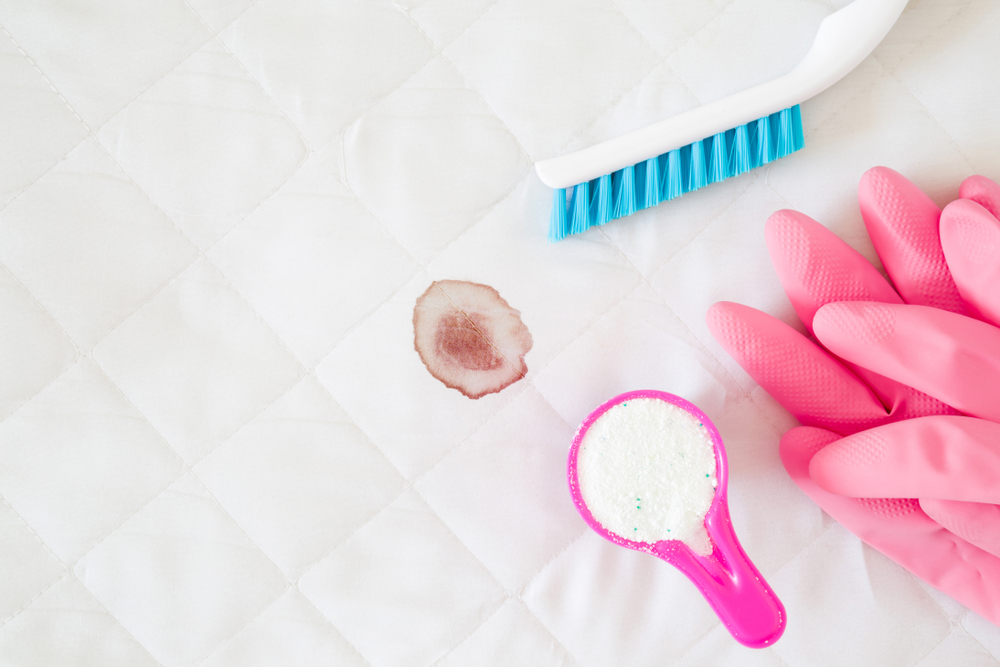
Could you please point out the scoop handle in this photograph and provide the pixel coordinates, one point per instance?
(734, 588)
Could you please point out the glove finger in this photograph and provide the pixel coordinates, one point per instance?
(970, 238)
(948, 457)
(902, 531)
(807, 381)
(983, 191)
(903, 225)
(956, 359)
(973, 522)
(816, 267)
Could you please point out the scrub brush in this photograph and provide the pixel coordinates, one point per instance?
(713, 142)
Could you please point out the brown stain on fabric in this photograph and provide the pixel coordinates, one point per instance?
(469, 337)
(458, 337)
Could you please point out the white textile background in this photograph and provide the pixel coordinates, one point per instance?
(218, 445)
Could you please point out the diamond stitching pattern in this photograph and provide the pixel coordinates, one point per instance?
(225, 73)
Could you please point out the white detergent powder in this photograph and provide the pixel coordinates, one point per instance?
(646, 470)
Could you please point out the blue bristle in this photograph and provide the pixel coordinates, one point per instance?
(625, 193)
(639, 184)
(579, 212)
(753, 133)
(765, 150)
(730, 160)
(741, 161)
(663, 164)
(797, 136)
(674, 176)
(671, 174)
(789, 132)
(557, 221)
(781, 136)
(685, 168)
(698, 174)
(719, 165)
(592, 210)
(652, 195)
(616, 190)
(602, 200)
(775, 121)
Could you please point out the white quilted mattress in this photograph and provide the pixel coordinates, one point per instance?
(218, 444)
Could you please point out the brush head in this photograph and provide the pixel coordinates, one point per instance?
(663, 177)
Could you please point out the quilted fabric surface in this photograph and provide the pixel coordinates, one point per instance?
(218, 443)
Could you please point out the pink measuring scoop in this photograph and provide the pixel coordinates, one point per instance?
(734, 588)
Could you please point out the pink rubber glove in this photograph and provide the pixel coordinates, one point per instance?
(867, 387)
(954, 358)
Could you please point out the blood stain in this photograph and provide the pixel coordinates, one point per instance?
(469, 337)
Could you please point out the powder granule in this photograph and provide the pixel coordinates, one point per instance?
(646, 470)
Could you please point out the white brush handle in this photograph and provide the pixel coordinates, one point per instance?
(843, 40)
